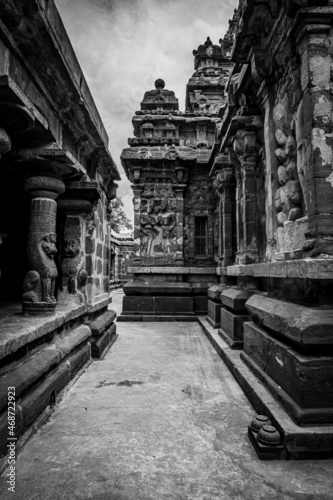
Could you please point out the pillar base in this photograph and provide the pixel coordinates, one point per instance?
(38, 308)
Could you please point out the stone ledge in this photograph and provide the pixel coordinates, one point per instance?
(235, 298)
(103, 302)
(215, 291)
(302, 268)
(151, 318)
(152, 288)
(35, 367)
(99, 325)
(171, 270)
(17, 330)
(306, 326)
(300, 442)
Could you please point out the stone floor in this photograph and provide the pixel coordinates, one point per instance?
(160, 418)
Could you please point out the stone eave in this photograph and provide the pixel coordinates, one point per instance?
(186, 118)
(63, 160)
(319, 10)
(220, 161)
(65, 90)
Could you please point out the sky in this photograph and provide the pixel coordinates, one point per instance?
(123, 46)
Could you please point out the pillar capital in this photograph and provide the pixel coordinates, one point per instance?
(41, 186)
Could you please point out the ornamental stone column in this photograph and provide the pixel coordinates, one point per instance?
(314, 129)
(179, 193)
(137, 191)
(228, 186)
(248, 201)
(72, 263)
(40, 281)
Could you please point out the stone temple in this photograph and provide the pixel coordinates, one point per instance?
(233, 224)
(233, 213)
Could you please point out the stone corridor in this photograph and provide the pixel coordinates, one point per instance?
(159, 418)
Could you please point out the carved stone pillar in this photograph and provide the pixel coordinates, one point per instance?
(314, 142)
(39, 284)
(137, 191)
(239, 217)
(248, 201)
(227, 195)
(179, 193)
(76, 265)
(72, 262)
(271, 168)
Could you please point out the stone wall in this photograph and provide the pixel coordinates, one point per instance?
(57, 181)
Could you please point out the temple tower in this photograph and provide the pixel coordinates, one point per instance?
(168, 163)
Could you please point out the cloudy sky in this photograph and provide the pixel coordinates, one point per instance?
(123, 46)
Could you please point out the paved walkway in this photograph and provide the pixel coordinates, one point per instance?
(160, 418)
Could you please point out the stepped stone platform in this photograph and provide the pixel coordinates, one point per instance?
(299, 442)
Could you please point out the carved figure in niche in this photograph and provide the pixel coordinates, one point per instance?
(172, 203)
(287, 153)
(288, 198)
(73, 274)
(148, 233)
(39, 283)
(168, 225)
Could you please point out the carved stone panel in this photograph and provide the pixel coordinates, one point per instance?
(159, 221)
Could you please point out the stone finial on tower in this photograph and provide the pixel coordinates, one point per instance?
(160, 99)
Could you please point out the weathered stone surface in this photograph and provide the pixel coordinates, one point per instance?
(232, 328)
(200, 288)
(157, 288)
(16, 331)
(26, 374)
(310, 441)
(174, 305)
(98, 345)
(90, 245)
(235, 299)
(308, 380)
(200, 305)
(215, 291)
(68, 341)
(214, 313)
(38, 399)
(78, 359)
(99, 325)
(138, 304)
(170, 270)
(304, 325)
(4, 423)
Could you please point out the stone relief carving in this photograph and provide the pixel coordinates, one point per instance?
(291, 157)
(91, 222)
(39, 282)
(167, 225)
(288, 198)
(74, 277)
(158, 218)
(200, 194)
(148, 233)
(301, 152)
(286, 153)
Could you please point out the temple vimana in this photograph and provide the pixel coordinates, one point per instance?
(233, 215)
